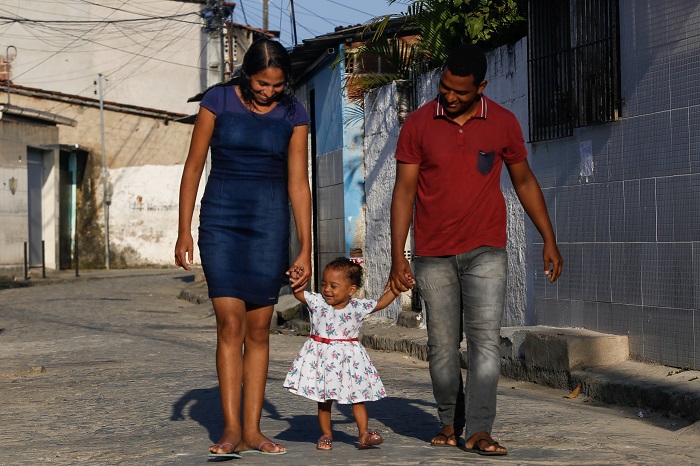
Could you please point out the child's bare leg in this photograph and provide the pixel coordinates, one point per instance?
(360, 412)
(324, 421)
(366, 438)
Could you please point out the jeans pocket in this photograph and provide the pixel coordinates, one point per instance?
(485, 161)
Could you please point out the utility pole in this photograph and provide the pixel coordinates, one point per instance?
(294, 22)
(222, 31)
(8, 68)
(217, 27)
(106, 191)
(265, 15)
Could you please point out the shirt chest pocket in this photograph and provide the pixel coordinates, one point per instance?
(485, 161)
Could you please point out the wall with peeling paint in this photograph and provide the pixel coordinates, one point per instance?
(144, 159)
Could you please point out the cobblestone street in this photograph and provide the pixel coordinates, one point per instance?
(119, 371)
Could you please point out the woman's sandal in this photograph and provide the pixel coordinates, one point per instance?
(369, 439)
(259, 450)
(324, 443)
(232, 454)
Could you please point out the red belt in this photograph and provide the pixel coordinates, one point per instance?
(330, 340)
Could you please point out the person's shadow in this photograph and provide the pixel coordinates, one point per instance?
(403, 416)
(204, 408)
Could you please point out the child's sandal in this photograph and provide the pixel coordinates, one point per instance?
(369, 439)
(324, 443)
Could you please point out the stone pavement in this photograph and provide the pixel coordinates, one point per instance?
(112, 368)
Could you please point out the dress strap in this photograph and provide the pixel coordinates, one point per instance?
(331, 340)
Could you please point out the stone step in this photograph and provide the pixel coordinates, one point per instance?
(563, 349)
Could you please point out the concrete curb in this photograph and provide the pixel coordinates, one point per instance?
(630, 383)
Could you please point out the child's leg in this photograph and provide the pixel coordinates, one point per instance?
(325, 442)
(360, 412)
(366, 438)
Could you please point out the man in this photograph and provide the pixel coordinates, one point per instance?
(449, 159)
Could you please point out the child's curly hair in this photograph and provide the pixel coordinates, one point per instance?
(353, 270)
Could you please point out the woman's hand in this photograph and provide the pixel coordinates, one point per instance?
(300, 272)
(184, 251)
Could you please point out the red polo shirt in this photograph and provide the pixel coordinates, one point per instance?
(459, 204)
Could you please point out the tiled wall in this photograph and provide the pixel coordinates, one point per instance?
(331, 213)
(630, 233)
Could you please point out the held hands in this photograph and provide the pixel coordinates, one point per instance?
(553, 262)
(184, 251)
(401, 278)
(388, 288)
(299, 273)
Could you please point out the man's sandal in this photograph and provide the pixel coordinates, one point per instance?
(446, 442)
(324, 443)
(481, 441)
(369, 439)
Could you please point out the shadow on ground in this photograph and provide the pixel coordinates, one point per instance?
(205, 408)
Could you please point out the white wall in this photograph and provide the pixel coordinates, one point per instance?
(144, 212)
(381, 134)
(153, 63)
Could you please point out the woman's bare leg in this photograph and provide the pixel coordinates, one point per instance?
(255, 362)
(230, 335)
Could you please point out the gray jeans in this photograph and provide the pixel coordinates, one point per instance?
(464, 294)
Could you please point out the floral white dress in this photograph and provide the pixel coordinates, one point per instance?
(336, 370)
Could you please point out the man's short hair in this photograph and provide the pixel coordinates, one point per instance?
(466, 60)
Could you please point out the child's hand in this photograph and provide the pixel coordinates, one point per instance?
(410, 278)
(295, 272)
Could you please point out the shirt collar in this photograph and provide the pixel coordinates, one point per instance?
(480, 113)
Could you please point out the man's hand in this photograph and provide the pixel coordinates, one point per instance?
(401, 278)
(553, 262)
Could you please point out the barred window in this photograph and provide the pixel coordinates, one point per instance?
(573, 65)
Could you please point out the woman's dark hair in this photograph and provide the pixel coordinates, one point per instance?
(466, 60)
(265, 53)
(353, 270)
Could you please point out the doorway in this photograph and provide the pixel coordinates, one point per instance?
(35, 183)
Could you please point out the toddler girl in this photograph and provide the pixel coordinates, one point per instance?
(332, 364)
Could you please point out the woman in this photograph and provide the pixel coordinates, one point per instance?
(257, 132)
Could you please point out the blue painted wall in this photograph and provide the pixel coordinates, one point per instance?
(353, 176)
(339, 164)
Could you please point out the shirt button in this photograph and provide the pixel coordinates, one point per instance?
(460, 131)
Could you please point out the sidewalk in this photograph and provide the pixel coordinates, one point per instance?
(649, 387)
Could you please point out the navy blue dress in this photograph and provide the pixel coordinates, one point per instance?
(244, 216)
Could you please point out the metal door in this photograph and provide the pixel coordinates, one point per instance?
(35, 182)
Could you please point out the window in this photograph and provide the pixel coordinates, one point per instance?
(573, 65)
